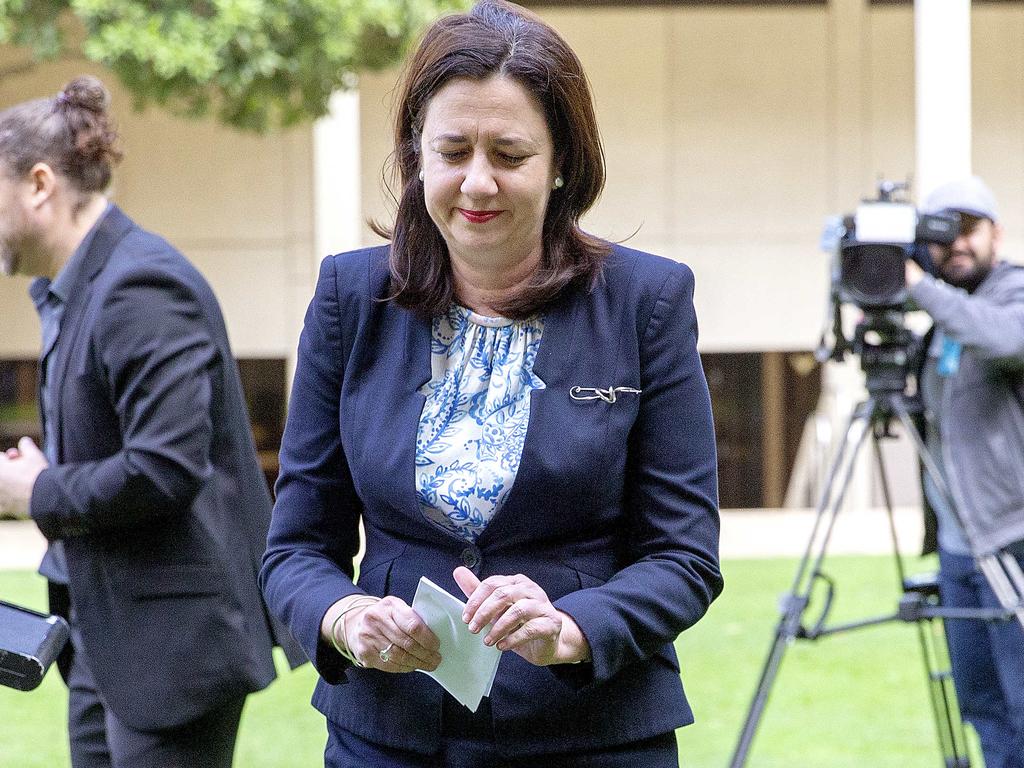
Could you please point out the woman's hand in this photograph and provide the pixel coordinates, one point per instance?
(384, 634)
(524, 620)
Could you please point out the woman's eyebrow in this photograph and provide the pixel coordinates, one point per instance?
(513, 141)
(451, 138)
(501, 141)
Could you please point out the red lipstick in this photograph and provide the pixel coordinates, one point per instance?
(479, 217)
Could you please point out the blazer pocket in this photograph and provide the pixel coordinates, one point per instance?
(185, 580)
(586, 580)
(375, 577)
(594, 573)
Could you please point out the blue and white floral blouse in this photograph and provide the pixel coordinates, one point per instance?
(473, 425)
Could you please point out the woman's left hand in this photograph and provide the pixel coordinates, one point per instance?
(524, 620)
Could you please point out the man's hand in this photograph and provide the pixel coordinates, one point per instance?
(914, 273)
(19, 469)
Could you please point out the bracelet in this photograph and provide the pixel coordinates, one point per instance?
(345, 653)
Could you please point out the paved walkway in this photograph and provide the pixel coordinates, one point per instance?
(750, 533)
(746, 533)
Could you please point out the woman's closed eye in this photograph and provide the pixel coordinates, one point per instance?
(452, 155)
(512, 160)
(505, 158)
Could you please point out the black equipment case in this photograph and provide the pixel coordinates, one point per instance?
(29, 643)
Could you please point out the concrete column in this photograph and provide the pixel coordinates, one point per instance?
(336, 179)
(842, 385)
(849, 104)
(942, 45)
(337, 203)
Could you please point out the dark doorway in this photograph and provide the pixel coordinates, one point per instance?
(264, 381)
(761, 401)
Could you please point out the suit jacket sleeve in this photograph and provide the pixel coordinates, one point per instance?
(154, 351)
(314, 529)
(671, 500)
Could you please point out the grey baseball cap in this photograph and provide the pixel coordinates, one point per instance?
(969, 195)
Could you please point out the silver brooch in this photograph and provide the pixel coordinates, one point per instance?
(609, 395)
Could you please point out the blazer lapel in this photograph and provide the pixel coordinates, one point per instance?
(394, 451)
(561, 323)
(110, 230)
(417, 352)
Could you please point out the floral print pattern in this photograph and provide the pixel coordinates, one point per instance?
(473, 426)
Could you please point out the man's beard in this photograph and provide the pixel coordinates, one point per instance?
(15, 242)
(20, 250)
(968, 278)
(9, 260)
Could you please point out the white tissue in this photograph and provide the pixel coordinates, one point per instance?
(467, 666)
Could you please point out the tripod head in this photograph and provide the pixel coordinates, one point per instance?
(887, 349)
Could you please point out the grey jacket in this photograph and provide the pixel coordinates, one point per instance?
(981, 414)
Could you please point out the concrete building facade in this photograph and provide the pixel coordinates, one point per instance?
(732, 129)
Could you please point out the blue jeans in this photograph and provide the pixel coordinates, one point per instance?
(987, 660)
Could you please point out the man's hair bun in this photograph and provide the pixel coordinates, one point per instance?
(85, 92)
(72, 132)
(92, 140)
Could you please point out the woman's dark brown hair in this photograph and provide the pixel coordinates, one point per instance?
(498, 38)
(71, 132)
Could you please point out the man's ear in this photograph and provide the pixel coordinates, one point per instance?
(998, 231)
(42, 184)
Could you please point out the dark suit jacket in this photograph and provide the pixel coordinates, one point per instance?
(157, 491)
(613, 511)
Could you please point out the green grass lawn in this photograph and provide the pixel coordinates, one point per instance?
(856, 699)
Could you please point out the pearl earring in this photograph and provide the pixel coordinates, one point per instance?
(559, 183)
(421, 174)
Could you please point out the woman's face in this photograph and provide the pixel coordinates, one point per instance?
(488, 169)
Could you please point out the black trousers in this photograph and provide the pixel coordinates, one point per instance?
(99, 739)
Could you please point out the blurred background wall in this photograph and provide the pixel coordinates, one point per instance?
(732, 129)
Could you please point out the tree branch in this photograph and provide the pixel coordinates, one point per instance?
(12, 70)
(24, 67)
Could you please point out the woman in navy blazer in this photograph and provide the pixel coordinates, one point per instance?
(586, 536)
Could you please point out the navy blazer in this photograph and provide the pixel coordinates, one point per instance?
(613, 512)
(157, 491)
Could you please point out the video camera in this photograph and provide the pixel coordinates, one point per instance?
(876, 241)
(869, 250)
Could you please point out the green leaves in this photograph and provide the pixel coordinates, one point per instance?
(256, 64)
(33, 24)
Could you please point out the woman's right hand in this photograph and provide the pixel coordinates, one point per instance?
(387, 634)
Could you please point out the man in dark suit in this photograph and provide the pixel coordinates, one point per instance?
(149, 489)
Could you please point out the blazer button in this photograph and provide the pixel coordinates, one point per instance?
(470, 559)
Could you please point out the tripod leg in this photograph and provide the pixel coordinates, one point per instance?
(1004, 576)
(951, 733)
(1002, 571)
(887, 498)
(949, 726)
(1013, 572)
(796, 601)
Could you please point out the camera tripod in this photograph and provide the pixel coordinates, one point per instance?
(920, 601)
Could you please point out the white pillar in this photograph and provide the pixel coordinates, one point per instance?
(336, 177)
(942, 43)
(337, 206)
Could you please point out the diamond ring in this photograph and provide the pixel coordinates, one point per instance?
(385, 653)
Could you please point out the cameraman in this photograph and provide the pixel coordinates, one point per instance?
(972, 383)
